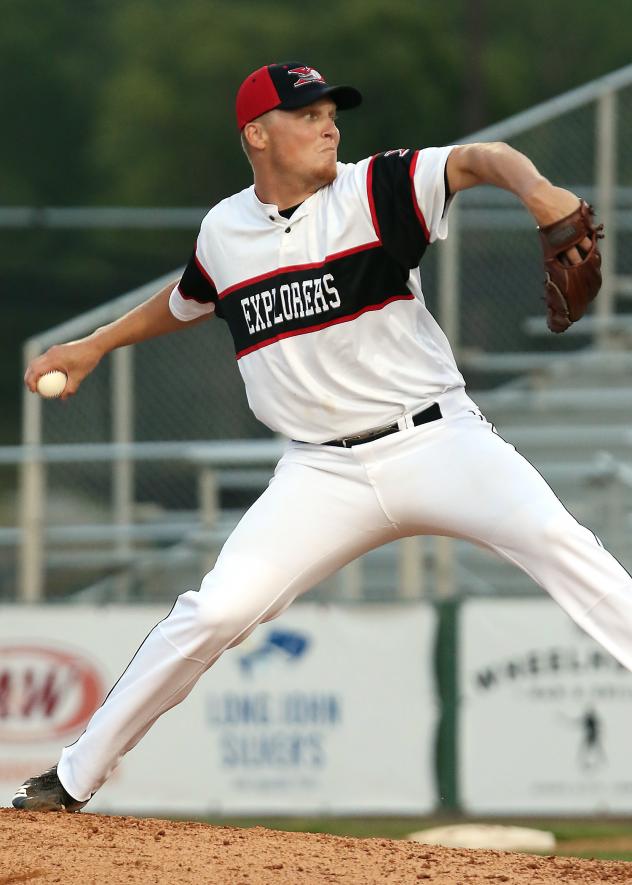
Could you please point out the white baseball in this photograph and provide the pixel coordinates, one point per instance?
(51, 384)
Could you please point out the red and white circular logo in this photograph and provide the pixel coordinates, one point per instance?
(45, 692)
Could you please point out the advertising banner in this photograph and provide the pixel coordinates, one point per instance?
(545, 714)
(324, 710)
(56, 666)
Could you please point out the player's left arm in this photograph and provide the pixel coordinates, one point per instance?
(498, 164)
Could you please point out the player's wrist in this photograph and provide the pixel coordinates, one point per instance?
(548, 203)
(101, 342)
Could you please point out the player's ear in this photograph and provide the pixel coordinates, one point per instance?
(255, 135)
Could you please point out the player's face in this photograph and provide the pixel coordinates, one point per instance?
(304, 142)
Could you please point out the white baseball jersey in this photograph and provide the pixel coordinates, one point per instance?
(326, 310)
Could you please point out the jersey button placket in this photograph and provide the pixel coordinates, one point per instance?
(286, 245)
(294, 249)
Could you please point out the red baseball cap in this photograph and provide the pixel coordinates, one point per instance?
(285, 86)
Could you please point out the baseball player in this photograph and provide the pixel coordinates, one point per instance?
(315, 268)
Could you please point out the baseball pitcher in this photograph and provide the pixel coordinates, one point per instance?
(315, 269)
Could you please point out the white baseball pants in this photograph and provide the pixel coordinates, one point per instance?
(324, 507)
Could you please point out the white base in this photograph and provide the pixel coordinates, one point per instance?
(487, 836)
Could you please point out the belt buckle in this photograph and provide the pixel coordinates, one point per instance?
(349, 441)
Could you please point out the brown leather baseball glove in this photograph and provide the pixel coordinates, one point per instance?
(569, 288)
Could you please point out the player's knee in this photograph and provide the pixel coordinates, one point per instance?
(234, 598)
(239, 593)
(220, 618)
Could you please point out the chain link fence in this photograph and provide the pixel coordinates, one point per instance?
(484, 285)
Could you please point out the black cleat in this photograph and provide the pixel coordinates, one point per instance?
(45, 793)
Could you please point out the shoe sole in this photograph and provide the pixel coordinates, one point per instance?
(30, 803)
(24, 802)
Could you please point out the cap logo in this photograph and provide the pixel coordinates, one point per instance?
(306, 76)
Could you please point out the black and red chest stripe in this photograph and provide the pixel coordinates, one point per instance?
(309, 297)
(300, 300)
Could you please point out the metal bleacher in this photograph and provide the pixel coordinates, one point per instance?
(572, 419)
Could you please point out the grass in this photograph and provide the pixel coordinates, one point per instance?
(602, 839)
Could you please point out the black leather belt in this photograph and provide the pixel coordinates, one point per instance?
(432, 413)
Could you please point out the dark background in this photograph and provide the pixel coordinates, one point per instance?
(130, 103)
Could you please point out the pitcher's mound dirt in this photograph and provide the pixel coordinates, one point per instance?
(91, 848)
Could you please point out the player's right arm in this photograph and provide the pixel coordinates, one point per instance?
(181, 304)
(502, 166)
(78, 358)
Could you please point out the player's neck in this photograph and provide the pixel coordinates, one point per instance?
(284, 193)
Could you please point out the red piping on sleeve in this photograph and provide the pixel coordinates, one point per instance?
(418, 212)
(369, 190)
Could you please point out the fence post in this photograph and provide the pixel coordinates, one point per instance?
(445, 567)
(411, 568)
(208, 497)
(122, 395)
(605, 174)
(448, 282)
(32, 500)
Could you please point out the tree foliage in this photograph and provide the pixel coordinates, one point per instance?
(132, 102)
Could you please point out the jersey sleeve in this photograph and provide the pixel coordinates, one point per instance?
(429, 178)
(408, 200)
(196, 294)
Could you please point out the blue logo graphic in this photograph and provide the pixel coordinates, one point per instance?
(283, 645)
